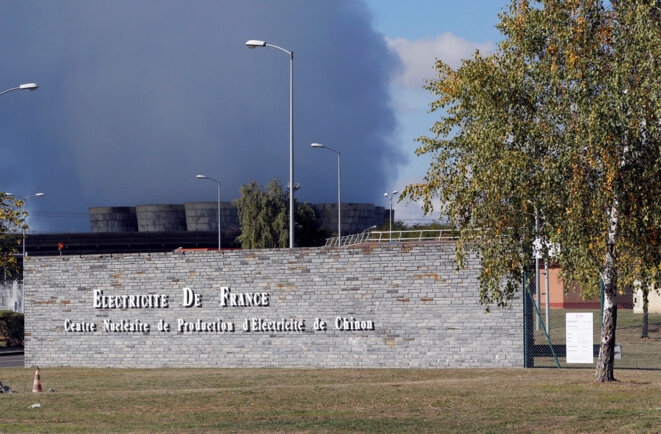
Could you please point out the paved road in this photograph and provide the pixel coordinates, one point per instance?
(11, 361)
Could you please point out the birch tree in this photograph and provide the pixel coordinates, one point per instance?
(563, 119)
(264, 218)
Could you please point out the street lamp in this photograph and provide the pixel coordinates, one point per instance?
(391, 197)
(254, 44)
(26, 86)
(339, 200)
(217, 182)
(538, 257)
(24, 199)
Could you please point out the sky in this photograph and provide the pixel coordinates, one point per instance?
(445, 30)
(136, 98)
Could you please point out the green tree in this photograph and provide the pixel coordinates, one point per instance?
(12, 222)
(562, 120)
(264, 218)
(308, 234)
(12, 327)
(397, 225)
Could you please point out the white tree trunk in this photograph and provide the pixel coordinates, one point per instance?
(606, 361)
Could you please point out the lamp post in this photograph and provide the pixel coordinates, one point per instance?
(538, 257)
(24, 199)
(254, 44)
(217, 182)
(391, 197)
(25, 86)
(537, 262)
(339, 197)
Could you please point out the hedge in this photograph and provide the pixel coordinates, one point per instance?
(12, 327)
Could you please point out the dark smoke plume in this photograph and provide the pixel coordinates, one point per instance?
(136, 98)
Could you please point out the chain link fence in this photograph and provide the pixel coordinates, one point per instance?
(551, 327)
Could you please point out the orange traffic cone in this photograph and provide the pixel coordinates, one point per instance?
(36, 387)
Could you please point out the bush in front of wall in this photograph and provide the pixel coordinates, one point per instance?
(12, 327)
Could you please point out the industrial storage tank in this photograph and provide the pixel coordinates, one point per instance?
(203, 216)
(381, 215)
(113, 219)
(356, 217)
(161, 218)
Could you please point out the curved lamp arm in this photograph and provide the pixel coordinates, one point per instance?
(28, 86)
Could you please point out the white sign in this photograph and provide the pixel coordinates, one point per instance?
(618, 351)
(579, 337)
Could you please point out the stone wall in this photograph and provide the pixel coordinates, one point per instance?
(397, 306)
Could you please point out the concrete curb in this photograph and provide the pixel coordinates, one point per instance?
(11, 351)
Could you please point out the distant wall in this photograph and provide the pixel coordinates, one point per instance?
(400, 306)
(570, 297)
(653, 301)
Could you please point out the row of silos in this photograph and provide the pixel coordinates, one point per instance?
(203, 216)
(196, 216)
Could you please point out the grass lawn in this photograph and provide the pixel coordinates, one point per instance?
(331, 400)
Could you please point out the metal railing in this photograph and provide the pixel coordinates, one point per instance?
(393, 236)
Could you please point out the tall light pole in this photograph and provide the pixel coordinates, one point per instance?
(24, 199)
(339, 197)
(217, 182)
(25, 86)
(537, 262)
(538, 257)
(254, 44)
(391, 197)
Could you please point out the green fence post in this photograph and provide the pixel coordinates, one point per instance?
(528, 320)
(548, 338)
(525, 323)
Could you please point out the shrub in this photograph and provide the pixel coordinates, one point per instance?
(12, 327)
